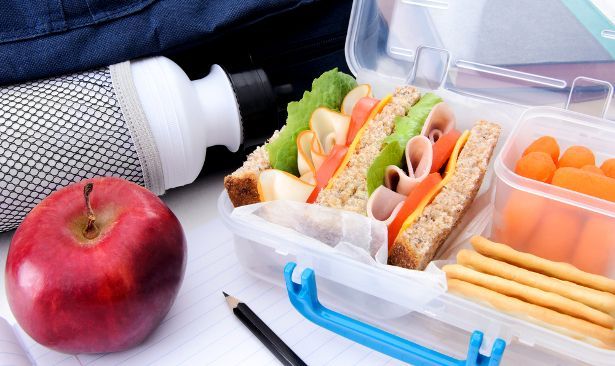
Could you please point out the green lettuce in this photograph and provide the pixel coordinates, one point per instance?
(392, 154)
(406, 127)
(328, 90)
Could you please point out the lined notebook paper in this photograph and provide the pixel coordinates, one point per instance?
(200, 329)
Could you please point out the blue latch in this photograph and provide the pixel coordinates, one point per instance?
(304, 298)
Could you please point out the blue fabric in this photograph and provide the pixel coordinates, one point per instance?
(41, 38)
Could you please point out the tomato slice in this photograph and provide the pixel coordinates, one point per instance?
(360, 113)
(327, 169)
(412, 201)
(443, 148)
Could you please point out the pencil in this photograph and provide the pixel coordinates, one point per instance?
(275, 345)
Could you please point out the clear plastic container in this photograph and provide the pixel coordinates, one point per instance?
(550, 221)
(490, 60)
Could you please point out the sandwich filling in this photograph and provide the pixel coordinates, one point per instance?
(321, 149)
(402, 193)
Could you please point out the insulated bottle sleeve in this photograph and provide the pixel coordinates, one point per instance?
(58, 131)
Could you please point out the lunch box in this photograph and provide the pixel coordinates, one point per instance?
(508, 62)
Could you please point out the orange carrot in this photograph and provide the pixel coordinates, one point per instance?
(556, 235)
(608, 167)
(536, 165)
(592, 169)
(585, 182)
(546, 144)
(577, 157)
(520, 217)
(596, 246)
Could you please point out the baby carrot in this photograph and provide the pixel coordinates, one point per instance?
(576, 157)
(592, 169)
(520, 216)
(608, 167)
(596, 246)
(585, 182)
(556, 235)
(536, 165)
(546, 144)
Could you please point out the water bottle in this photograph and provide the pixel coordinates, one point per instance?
(141, 120)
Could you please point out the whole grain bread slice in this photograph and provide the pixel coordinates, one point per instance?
(415, 247)
(242, 184)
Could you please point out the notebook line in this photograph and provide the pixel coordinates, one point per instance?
(221, 305)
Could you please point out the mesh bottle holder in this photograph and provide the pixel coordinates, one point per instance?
(58, 131)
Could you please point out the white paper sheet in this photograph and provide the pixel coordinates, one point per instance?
(201, 330)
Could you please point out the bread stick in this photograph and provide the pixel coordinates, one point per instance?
(529, 294)
(600, 300)
(563, 271)
(566, 324)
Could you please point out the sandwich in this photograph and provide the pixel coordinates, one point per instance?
(399, 160)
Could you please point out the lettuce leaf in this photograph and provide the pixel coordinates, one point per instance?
(328, 90)
(406, 127)
(392, 154)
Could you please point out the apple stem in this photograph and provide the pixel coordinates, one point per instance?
(91, 230)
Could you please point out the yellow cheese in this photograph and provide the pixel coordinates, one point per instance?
(448, 175)
(274, 184)
(355, 142)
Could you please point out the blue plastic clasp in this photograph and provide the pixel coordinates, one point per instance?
(304, 298)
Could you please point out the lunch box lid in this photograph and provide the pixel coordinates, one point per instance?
(550, 52)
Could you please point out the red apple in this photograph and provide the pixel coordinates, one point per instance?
(95, 279)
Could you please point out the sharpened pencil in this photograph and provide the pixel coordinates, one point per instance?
(279, 349)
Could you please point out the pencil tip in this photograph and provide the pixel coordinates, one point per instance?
(231, 300)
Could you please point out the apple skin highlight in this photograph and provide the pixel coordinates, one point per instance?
(105, 294)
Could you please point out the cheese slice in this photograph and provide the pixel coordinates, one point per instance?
(276, 184)
(330, 127)
(353, 96)
(448, 175)
(355, 142)
(304, 152)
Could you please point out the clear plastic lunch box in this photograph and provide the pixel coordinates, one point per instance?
(495, 60)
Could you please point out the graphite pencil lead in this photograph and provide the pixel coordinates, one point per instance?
(225, 294)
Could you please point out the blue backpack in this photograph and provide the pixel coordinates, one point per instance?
(42, 38)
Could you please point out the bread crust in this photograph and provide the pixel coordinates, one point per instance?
(415, 247)
(242, 184)
(242, 189)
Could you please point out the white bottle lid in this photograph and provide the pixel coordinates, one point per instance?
(186, 116)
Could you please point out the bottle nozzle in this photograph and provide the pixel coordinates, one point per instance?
(257, 101)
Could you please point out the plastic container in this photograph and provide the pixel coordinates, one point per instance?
(550, 221)
(485, 63)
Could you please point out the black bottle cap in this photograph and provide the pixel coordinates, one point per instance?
(257, 101)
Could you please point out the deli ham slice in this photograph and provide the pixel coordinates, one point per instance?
(419, 155)
(384, 204)
(440, 120)
(386, 201)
